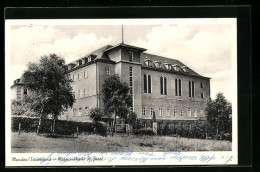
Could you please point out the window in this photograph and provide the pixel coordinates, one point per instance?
(167, 66)
(86, 111)
(195, 113)
(107, 70)
(74, 112)
(165, 86)
(144, 125)
(157, 64)
(85, 74)
(161, 84)
(181, 112)
(151, 111)
(130, 56)
(189, 89)
(167, 112)
(143, 111)
(74, 77)
(79, 76)
(149, 84)
(201, 85)
(131, 82)
(185, 69)
(201, 113)
(80, 93)
(89, 59)
(202, 95)
(189, 113)
(145, 83)
(176, 87)
(176, 67)
(193, 89)
(179, 87)
(24, 91)
(85, 60)
(160, 112)
(175, 112)
(80, 111)
(80, 62)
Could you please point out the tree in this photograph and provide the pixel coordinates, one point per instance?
(131, 119)
(51, 87)
(22, 107)
(18, 107)
(116, 97)
(219, 116)
(96, 116)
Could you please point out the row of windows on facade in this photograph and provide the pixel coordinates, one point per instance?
(163, 86)
(84, 93)
(79, 76)
(131, 84)
(80, 62)
(80, 111)
(168, 66)
(171, 125)
(175, 112)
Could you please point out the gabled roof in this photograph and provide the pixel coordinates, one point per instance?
(125, 45)
(161, 59)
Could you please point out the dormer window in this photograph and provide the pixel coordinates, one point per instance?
(85, 60)
(167, 66)
(148, 62)
(185, 69)
(176, 67)
(71, 66)
(89, 59)
(79, 62)
(157, 64)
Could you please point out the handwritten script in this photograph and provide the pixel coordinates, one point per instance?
(142, 158)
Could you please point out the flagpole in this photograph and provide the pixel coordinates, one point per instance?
(122, 34)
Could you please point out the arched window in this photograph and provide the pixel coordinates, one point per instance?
(179, 87)
(161, 84)
(149, 84)
(107, 70)
(176, 87)
(145, 83)
(189, 89)
(165, 86)
(193, 89)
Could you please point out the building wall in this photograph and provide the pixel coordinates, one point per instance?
(101, 77)
(171, 101)
(89, 99)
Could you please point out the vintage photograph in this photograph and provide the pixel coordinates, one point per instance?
(122, 85)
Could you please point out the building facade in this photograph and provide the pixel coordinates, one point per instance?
(160, 85)
(164, 86)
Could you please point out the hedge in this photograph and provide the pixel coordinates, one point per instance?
(62, 127)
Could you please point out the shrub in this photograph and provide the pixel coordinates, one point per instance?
(101, 129)
(148, 132)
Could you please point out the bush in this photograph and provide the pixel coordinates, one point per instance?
(101, 129)
(148, 132)
(62, 127)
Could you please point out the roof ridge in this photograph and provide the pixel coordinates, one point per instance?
(163, 57)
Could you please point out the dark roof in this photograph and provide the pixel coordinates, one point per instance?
(98, 53)
(125, 45)
(163, 60)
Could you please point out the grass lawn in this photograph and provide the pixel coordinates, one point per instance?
(32, 143)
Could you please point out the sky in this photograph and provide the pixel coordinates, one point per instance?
(205, 45)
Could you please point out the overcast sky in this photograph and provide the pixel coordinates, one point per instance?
(204, 47)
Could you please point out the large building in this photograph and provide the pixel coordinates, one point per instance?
(160, 85)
